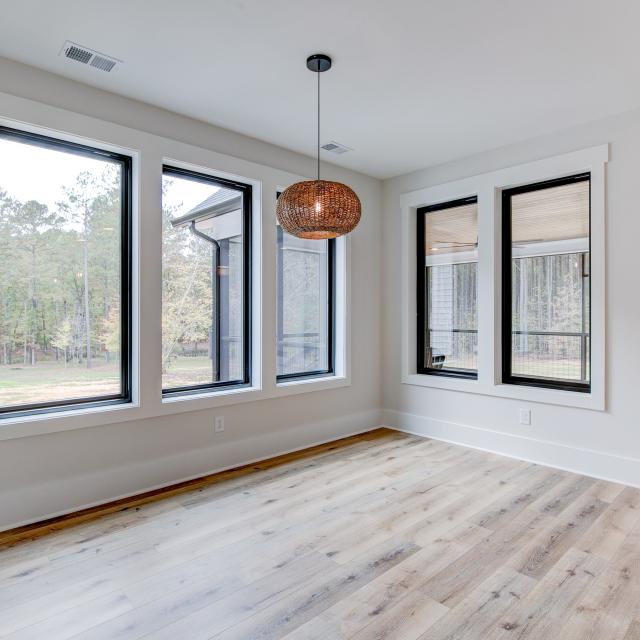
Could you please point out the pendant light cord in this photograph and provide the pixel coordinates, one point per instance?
(318, 73)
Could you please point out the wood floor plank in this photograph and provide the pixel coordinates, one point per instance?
(563, 494)
(389, 523)
(542, 613)
(284, 610)
(477, 612)
(499, 512)
(550, 543)
(611, 604)
(198, 592)
(28, 611)
(69, 623)
(612, 527)
(633, 632)
(405, 619)
(453, 584)
(352, 614)
(382, 535)
(302, 471)
(606, 491)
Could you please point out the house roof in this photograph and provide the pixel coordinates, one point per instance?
(219, 202)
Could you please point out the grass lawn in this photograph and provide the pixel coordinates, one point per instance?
(182, 372)
(51, 381)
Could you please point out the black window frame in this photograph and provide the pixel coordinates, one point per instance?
(247, 275)
(126, 282)
(422, 299)
(507, 284)
(331, 316)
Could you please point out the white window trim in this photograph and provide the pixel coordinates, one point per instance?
(149, 152)
(488, 187)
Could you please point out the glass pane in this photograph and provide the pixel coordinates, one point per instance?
(60, 281)
(451, 261)
(550, 283)
(202, 283)
(303, 305)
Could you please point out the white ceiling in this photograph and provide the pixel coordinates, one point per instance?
(414, 82)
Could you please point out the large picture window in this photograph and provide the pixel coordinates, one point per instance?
(546, 289)
(447, 277)
(65, 281)
(205, 282)
(305, 304)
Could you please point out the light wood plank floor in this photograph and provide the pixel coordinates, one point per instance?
(379, 536)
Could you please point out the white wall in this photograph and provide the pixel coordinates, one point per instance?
(47, 474)
(604, 444)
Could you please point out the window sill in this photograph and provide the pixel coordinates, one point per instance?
(209, 398)
(307, 385)
(593, 401)
(73, 418)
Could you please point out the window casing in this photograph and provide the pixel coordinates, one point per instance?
(489, 188)
(447, 268)
(84, 331)
(546, 301)
(207, 318)
(305, 307)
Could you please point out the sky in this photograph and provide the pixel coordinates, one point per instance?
(186, 194)
(29, 172)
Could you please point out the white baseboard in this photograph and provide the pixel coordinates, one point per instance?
(235, 454)
(588, 462)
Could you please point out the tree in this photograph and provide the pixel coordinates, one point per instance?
(104, 268)
(63, 338)
(78, 208)
(7, 277)
(27, 225)
(186, 295)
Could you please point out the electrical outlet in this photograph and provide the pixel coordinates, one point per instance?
(525, 416)
(218, 424)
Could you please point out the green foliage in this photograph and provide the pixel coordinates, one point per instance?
(60, 280)
(186, 294)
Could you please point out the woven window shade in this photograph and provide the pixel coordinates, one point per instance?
(318, 209)
(556, 213)
(451, 230)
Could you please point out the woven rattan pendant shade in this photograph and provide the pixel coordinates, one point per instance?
(318, 209)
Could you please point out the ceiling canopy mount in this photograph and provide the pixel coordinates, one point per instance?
(318, 63)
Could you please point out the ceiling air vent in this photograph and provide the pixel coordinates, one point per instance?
(336, 147)
(84, 55)
(102, 63)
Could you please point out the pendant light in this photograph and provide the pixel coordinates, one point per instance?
(318, 209)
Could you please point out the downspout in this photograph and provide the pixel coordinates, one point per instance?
(215, 292)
